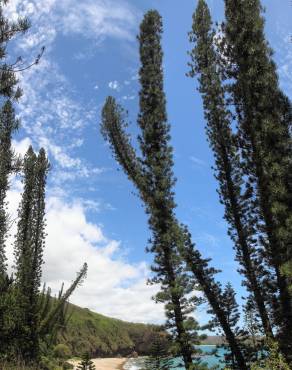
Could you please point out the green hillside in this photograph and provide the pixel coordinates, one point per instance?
(104, 336)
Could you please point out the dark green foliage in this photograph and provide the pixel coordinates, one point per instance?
(159, 357)
(204, 275)
(239, 86)
(8, 31)
(232, 313)
(274, 359)
(113, 127)
(86, 363)
(29, 247)
(56, 309)
(152, 175)
(227, 162)
(228, 172)
(255, 344)
(8, 125)
(62, 351)
(67, 366)
(264, 120)
(29, 319)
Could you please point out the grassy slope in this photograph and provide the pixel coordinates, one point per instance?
(104, 336)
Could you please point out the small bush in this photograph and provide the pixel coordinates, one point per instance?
(62, 351)
(275, 360)
(66, 366)
(47, 363)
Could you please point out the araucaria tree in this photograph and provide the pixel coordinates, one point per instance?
(9, 91)
(29, 247)
(231, 309)
(227, 162)
(8, 124)
(265, 145)
(239, 87)
(28, 317)
(159, 358)
(152, 175)
(86, 363)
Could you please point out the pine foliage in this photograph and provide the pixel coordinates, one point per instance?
(227, 162)
(264, 117)
(248, 124)
(86, 363)
(265, 142)
(28, 317)
(8, 125)
(159, 358)
(152, 175)
(233, 316)
(29, 247)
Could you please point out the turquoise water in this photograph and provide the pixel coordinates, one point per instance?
(207, 358)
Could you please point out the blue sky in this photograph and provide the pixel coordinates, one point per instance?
(93, 215)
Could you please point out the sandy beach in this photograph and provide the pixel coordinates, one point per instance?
(105, 363)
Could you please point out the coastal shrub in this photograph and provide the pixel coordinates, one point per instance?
(67, 366)
(47, 363)
(62, 351)
(275, 360)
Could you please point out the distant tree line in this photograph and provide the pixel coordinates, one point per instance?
(29, 317)
(248, 125)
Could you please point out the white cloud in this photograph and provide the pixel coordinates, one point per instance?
(64, 160)
(94, 19)
(113, 287)
(54, 116)
(207, 240)
(52, 112)
(21, 146)
(284, 59)
(197, 161)
(114, 85)
(129, 97)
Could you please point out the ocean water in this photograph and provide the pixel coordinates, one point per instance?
(207, 358)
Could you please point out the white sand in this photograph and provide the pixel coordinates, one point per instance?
(105, 363)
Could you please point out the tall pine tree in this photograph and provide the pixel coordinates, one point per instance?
(86, 363)
(152, 175)
(227, 162)
(8, 125)
(29, 247)
(265, 142)
(37, 316)
(233, 316)
(159, 357)
(204, 277)
(26, 318)
(9, 91)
